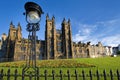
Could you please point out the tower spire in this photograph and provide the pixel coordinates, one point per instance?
(53, 18)
(11, 23)
(19, 26)
(47, 16)
(18, 23)
(69, 20)
(64, 20)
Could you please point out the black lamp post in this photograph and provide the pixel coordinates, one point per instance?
(33, 16)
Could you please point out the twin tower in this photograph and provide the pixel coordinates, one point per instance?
(58, 43)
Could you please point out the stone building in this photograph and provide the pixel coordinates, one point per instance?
(99, 50)
(18, 48)
(116, 49)
(58, 44)
(87, 50)
(3, 45)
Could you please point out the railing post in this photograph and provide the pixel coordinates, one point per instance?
(83, 74)
(1, 75)
(8, 74)
(61, 75)
(111, 74)
(23, 74)
(118, 75)
(68, 72)
(90, 73)
(104, 74)
(53, 74)
(15, 74)
(30, 76)
(45, 74)
(76, 74)
(97, 74)
(38, 74)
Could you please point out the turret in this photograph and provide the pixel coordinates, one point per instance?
(4, 37)
(19, 34)
(12, 32)
(67, 39)
(50, 37)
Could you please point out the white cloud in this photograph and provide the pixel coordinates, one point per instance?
(58, 25)
(78, 37)
(87, 31)
(106, 32)
(111, 40)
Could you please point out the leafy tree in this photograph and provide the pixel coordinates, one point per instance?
(118, 52)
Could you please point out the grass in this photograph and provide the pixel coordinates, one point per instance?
(86, 64)
(82, 63)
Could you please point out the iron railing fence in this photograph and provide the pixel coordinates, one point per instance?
(9, 75)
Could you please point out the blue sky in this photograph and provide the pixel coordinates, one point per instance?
(91, 20)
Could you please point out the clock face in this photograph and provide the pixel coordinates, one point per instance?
(33, 17)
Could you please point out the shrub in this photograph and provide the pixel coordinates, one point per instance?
(118, 53)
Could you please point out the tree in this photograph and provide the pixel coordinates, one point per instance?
(118, 52)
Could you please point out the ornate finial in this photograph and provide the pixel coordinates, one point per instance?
(11, 23)
(53, 17)
(18, 23)
(47, 16)
(19, 26)
(4, 33)
(64, 20)
(68, 20)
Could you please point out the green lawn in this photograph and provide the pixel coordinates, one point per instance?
(106, 63)
(86, 64)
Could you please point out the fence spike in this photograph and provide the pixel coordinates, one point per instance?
(8, 74)
(111, 74)
(23, 74)
(104, 74)
(38, 73)
(1, 70)
(90, 73)
(60, 71)
(76, 71)
(61, 75)
(68, 72)
(1, 74)
(97, 74)
(45, 72)
(30, 76)
(76, 74)
(118, 75)
(83, 74)
(53, 74)
(15, 74)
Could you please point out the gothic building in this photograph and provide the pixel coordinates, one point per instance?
(58, 44)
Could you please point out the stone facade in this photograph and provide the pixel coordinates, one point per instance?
(58, 44)
(92, 51)
(18, 48)
(3, 45)
(116, 49)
